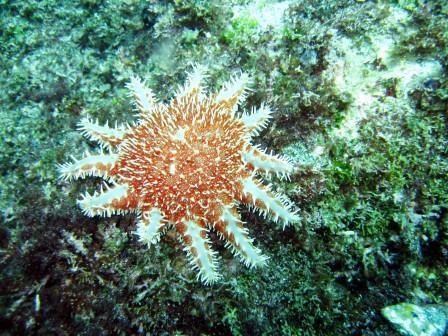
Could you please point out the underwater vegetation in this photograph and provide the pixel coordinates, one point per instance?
(359, 97)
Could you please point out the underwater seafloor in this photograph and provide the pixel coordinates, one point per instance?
(360, 94)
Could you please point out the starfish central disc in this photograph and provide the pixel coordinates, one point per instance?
(187, 168)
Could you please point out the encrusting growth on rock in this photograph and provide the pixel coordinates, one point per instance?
(187, 165)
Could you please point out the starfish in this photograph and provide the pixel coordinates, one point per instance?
(186, 165)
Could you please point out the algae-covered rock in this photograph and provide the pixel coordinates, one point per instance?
(414, 320)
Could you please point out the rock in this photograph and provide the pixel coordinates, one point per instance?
(414, 320)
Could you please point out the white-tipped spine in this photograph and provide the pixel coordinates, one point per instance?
(257, 119)
(201, 256)
(242, 245)
(237, 87)
(91, 165)
(277, 205)
(268, 163)
(194, 83)
(144, 97)
(149, 227)
(196, 79)
(101, 203)
(103, 134)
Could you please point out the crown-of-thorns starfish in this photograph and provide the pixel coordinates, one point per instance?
(188, 164)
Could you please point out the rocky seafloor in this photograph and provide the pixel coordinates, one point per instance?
(359, 91)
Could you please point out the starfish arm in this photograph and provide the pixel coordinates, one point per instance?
(231, 228)
(257, 119)
(234, 92)
(259, 159)
(197, 248)
(114, 200)
(194, 83)
(263, 199)
(91, 165)
(143, 96)
(149, 227)
(106, 136)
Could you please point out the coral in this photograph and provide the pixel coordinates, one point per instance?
(187, 165)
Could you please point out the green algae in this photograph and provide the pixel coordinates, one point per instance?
(370, 144)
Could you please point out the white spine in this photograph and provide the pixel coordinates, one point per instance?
(88, 166)
(257, 119)
(149, 226)
(278, 205)
(101, 203)
(194, 81)
(104, 135)
(201, 256)
(243, 245)
(267, 162)
(237, 88)
(144, 97)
